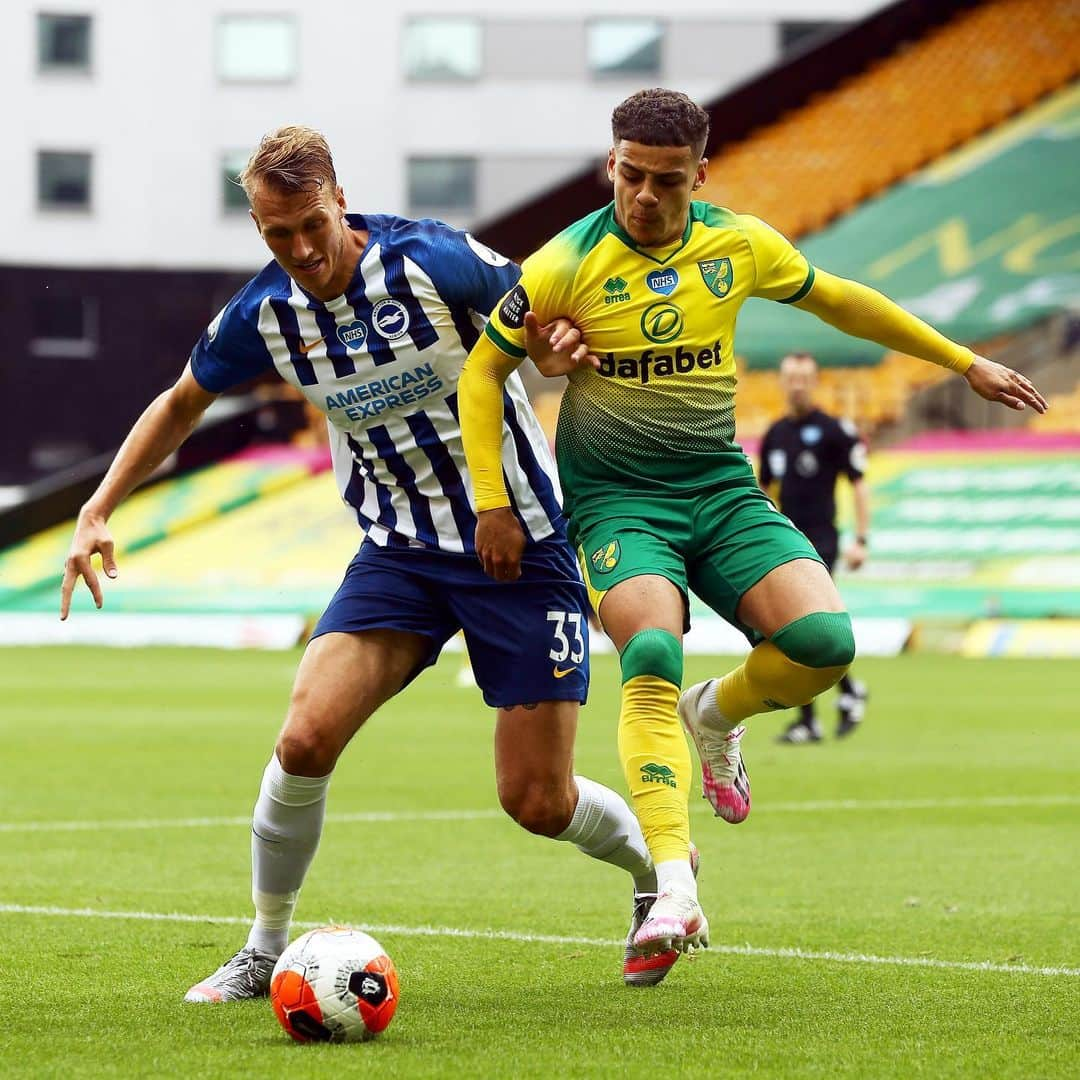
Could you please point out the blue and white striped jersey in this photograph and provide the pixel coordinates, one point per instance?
(383, 362)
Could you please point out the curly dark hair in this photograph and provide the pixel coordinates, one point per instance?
(661, 117)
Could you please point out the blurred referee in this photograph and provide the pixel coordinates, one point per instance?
(802, 454)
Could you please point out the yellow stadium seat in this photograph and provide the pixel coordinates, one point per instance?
(842, 152)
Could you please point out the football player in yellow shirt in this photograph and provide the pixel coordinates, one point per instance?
(660, 498)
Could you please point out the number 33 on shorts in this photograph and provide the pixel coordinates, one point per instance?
(569, 645)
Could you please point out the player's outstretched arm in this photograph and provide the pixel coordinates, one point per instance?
(500, 541)
(165, 424)
(858, 310)
(996, 382)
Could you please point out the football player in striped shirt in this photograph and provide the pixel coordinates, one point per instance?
(660, 498)
(371, 318)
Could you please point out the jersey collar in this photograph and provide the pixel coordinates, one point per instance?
(620, 233)
(356, 222)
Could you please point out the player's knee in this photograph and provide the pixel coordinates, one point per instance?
(823, 639)
(652, 652)
(304, 751)
(538, 807)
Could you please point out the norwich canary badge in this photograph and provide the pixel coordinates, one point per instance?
(606, 558)
(718, 276)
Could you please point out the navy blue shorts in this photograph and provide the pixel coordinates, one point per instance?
(528, 639)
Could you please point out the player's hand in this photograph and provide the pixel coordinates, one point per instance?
(91, 537)
(500, 543)
(996, 382)
(855, 555)
(556, 348)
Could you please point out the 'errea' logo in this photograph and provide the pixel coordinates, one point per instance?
(651, 773)
(662, 322)
(616, 290)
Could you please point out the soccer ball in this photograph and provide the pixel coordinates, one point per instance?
(334, 984)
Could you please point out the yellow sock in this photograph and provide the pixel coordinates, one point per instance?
(656, 761)
(769, 680)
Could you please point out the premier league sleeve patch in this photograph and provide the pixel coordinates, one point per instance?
(513, 308)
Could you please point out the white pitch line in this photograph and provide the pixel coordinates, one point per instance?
(559, 939)
(377, 816)
(392, 816)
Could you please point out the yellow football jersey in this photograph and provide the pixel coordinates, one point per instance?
(660, 410)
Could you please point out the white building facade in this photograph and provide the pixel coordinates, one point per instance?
(130, 114)
(124, 120)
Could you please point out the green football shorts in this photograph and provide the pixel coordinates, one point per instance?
(717, 542)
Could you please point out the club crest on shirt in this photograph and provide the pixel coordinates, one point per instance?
(811, 434)
(606, 557)
(390, 318)
(718, 276)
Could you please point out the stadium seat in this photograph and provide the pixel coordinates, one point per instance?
(1063, 416)
(844, 146)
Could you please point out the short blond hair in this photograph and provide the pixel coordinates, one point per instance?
(293, 158)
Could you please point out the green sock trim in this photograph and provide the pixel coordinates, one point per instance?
(653, 652)
(819, 640)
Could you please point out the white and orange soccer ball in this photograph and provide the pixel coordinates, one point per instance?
(334, 984)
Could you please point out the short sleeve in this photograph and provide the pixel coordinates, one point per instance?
(230, 351)
(782, 271)
(545, 287)
(466, 272)
(853, 451)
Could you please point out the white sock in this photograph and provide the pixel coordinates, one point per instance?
(675, 875)
(285, 830)
(709, 710)
(604, 827)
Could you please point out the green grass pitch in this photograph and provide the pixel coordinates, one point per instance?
(849, 913)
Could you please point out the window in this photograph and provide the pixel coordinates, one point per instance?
(63, 325)
(256, 48)
(798, 35)
(442, 183)
(443, 49)
(63, 180)
(233, 199)
(63, 42)
(624, 46)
